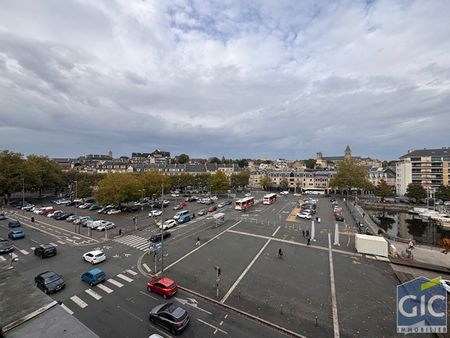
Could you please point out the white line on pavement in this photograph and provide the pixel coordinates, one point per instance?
(32, 248)
(145, 267)
(76, 237)
(125, 278)
(2, 258)
(275, 232)
(77, 300)
(244, 272)
(93, 294)
(25, 252)
(105, 288)
(333, 291)
(116, 283)
(214, 327)
(53, 244)
(13, 255)
(67, 309)
(131, 272)
(61, 242)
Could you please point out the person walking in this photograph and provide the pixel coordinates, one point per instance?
(309, 241)
(198, 241)
(307, 233)
(303, 232)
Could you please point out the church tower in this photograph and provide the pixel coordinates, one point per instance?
(348, 153)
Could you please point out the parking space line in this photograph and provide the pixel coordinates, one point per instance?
(13, 255)
(67, 309)
(125, 278)
(2, 258)
(93, 294)
(53, 244)
(105, 288)
(131, 272)
(275, 232)
(116, 283)
(244, 272)
(25, 252)
(77, 300)
(76, 237)
(32, 248)
(333, 291)
(60, 242)
(145, 266)
(214, 327)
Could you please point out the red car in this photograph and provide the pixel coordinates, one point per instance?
(212, 208)
(183, 204)
(164, 286)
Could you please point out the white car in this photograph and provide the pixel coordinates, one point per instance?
(247, 195)
(94, 257)
(113, 211)
(304, 215)
(155, 213)
(85, 206)
(284, 192)
(95, 224)
(446, 284)
(54, 213)
(214, 198)
(175, 195)
(105, 226)
(169, 224)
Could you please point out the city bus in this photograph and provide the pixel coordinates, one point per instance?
(313, 191)
(244, 203)
(269, 198)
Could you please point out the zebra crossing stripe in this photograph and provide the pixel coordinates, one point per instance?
(61, 242)
(2, 258)
(93, 294)
(67, 309)
(77, 300)
(13, 255)
(131, 272)
(125, 278)
(116, 283)
(105, 288)
(143, 246)
(32, 248)
(146, 267)
(25, 252)
(53, 244)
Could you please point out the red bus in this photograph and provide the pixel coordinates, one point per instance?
(269, 198)
(244, 203)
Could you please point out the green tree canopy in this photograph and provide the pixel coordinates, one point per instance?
(12, 171)
(42, 173)
(383, 190)
(266, 182)
(183, 158)
(350, 175)
(239, 179)
(443, 193)
(415, 191)
(284, 183)
(310, 163)
(219, 182)
(118, 188)
(152, 182)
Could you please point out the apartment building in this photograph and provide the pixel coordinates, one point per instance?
(296, 180)
(428, 167)
(376, 175)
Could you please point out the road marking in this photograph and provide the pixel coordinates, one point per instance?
(116, 283)
(67, 309)
(76, 237)
(2, 258)
(275, 232)
(25, 252)
(53, 244)
(131, 272)
(244, 272)
(93, 294)
(32, 248)
(125, 278)
(191, 252)
(145, 266)
(147, 294)
(61, 242)
(78, 301)
(333, 291)
(105, 288)
(130, 313)
(13, 255)
(214, 327)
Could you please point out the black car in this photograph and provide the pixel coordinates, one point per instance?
(14, 224)
(228, 202)
(2, 216)
(71, 203)
(49, 282)
(339, 218)
(130, 208)
(157, 237)
(170, 316)
(95, 207)
(45, 250)
(64, 215)
(5, 246)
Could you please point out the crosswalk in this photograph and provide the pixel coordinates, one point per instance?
(137, 242)
(24, 252)
(99, 291)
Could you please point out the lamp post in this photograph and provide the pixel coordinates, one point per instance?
(76, 194)
(162, 228)
(23, 196)
(142, 191)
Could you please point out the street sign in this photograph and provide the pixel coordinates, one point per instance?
(155, 247)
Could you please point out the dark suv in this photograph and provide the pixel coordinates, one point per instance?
(157, 237)
(45, 250)
(49, 282)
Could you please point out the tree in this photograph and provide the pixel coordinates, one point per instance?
(383, 190)
(445, 244)
(183, 158)
(243, 163)
(240, 179)
(42, 173)
(266, 182)
(219, 182)
(310, 163)
(284, 183)
(350, 175)
(201, 180)
(152, 182)
(214, 160)
(118, 188)
(415, 191)
(84, 189)
(443, 193)
(12, 172)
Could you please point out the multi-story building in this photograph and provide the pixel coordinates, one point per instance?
(428, 167)
(376, 175)
(332, 161)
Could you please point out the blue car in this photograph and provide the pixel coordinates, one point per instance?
(14, 224)
(16, 234)
(93, 276)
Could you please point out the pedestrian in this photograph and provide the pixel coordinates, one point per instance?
(364, 214)
(198, 241)
(120, 232)
(303, 232)
(317, 219)
(134, 220)
(193, 215)
(307, 233)
(309, 241)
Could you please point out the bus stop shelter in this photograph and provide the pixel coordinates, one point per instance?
(219, 218)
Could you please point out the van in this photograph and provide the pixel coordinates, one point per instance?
(93, 276)
(180, 213)
(184, 218)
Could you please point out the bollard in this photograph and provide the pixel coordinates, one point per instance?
(316, 324)
(281, 308)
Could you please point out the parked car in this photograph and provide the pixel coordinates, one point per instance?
(169, 224)
(5, 246)
(105, 226)
(155, 213)
(2, 216)
(45, 250)
(114, 211)
(169, 316)
(202, 212)
(157, 237)
(49, 282)
(85, 206)
(16, 234)
(64, 215)
(212, 208)
(184, 218)
(94, 207)
(93, 276)
(178, 207)
(28, 207)
(94, 257)
(304, 215)
(72, 218)
(221, 205)
(13, 224)
(163, 286)
(55, 213)
(209, 201)
(179, 214)
(104, 210)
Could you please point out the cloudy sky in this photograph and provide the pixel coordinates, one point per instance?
(275, 79)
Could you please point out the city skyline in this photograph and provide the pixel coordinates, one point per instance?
(238, 79)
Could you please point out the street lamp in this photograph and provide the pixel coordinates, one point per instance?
(162, 228)
(142, 207)
(23, 196)
(76, 194)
